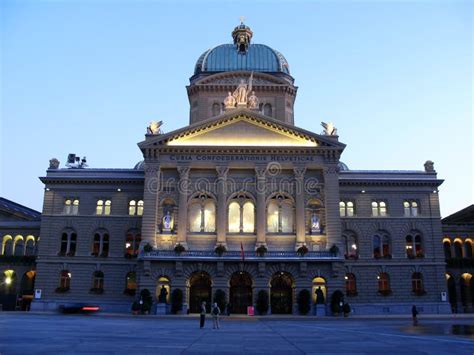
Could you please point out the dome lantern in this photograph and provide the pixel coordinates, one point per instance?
(242, 35)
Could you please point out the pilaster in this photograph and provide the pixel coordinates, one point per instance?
(183, 190)
(150, 203)
(222, 172)
(333, 220)
(261, 187)
(299, 172)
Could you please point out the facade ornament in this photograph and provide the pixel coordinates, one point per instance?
(299, 171)
(183, 172)
(429, 167)
(222, 171)
(167, 220)
(154, 127)
(329, 129)
(260, 171)
(229, 101)
(315, 223)
(54, 163)
(253, 101)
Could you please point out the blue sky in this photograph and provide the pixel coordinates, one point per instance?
(87, 76)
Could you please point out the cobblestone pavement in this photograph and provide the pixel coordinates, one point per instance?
(54, 334)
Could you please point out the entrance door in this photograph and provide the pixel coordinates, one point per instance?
(199, 291)
(281, 294)
(240, 292)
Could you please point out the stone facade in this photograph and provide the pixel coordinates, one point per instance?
(242, 201)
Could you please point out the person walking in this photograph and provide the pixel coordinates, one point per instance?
(216, 311)
(203, 314)
(414, 313)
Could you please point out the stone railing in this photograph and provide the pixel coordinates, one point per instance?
(237, 255)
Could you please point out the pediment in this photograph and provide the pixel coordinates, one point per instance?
(241, 128)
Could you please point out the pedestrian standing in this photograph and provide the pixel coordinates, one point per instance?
(216, 311)
(203, 314)
(414, 313)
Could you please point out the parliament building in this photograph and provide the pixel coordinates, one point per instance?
(239, 200)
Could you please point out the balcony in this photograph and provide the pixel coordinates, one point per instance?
(237, 256)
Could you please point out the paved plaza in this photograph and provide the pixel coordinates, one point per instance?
(105, 334)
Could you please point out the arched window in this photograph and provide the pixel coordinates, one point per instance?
(280, 215)
(103, 207)
(68, 243)
(100, 245)
(410, 208)
(71, 206)
(167, 220)
(9, 278)
(30, 245)
(447, 248)
(202, 215)
(267, 110)
(468, 248)
(379, 209)
(351, 285)
(135, 208)
(65, 280)
(413, 246)
(417, 283)
(458, 249)
(350, 245)
(384, 283)
(7, 245)
(97, 282)
(132, 244)
(241, 216)
(131, 283)
(19, 246)
(346, 208)
(381, 246)
(216, 109)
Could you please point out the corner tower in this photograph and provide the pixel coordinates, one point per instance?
(219, 70)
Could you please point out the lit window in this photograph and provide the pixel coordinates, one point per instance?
(447, 249)
(71, 206)
(103, 207)
(132, 244)
(202, 215)
(7, 245)
(18, 246)
(379, 209)
(100, 245)
(140, 208)
(350, 245)
(30, 245)
(351, 285)
(132, 208)
(241, 215)
(280, 215)
(417, 283)
(410, 208)
(68, 243)
(458, 249)
(108, 205)
(131, 281)
(384, 283)
(346, 208)
(65, 280)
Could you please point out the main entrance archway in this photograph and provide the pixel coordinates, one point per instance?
(281, 293)
(240, 292)
(200, 289)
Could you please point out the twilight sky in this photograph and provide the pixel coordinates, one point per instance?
(87, 77)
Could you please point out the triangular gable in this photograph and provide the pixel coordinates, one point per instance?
(241, 127)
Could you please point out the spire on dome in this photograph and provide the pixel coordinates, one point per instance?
(242, 35)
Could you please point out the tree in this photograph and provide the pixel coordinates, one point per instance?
(262, 302)
(176, 300)
(145, 296)
(336, 298)
(304, 301)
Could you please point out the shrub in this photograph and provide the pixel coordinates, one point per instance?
(129, 291)
(262, 302)
(334, 249)
(302, 250)
(176, 300)
(304, 301)
(219, 298)
(346, 308)
(261, 250)
(220, 249)
(336, 298)
(179, 248)
(135, 306)
(147, 248)
(145, 296)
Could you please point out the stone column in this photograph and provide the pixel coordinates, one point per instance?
(221, 203)
(261, 188)
(300, 213)
(331, 200)
(183, 190)
(150, 203)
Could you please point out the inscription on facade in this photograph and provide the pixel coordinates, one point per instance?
(256, 158)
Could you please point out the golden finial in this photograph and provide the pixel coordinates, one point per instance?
(242, 19)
